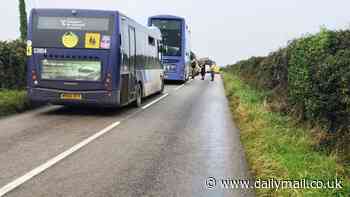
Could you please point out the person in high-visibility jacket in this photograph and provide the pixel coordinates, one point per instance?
(217, 69)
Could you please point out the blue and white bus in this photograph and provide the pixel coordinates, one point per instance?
(176, 46)
(91, 57)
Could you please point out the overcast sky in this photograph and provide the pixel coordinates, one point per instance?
(225, 30)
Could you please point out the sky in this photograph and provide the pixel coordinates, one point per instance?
(224, 30)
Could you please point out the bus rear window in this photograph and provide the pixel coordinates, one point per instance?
(73, 23)
(71, 70)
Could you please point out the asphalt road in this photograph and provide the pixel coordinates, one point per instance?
(167, 148)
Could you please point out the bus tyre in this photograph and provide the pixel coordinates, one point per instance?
(184, 80)
(138, 101)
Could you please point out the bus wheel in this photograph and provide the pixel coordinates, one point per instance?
(138, 101)
(184, 79)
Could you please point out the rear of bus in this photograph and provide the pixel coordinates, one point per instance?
(73, 57)
(174, 42)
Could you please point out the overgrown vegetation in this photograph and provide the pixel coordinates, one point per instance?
(12, 77)
(12, 65)
(310, 79)
(13, 102)
(276, 147)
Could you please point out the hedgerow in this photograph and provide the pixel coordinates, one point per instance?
(12, 65)
(311, 78)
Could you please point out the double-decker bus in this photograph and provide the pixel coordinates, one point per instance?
(91, 57)
(176, 46)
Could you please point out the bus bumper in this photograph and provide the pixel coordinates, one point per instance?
(93, 98)
(173, 77)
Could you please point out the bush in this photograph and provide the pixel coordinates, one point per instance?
(311, 75)
(306, 55)
(12, 65)
(13, 102)
(273, 151)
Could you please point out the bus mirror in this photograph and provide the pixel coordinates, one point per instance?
(121, 55)
(162, 48)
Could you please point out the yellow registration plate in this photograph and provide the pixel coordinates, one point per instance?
(71, 96)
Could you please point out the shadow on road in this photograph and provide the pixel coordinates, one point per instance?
(174, 82)
(95, 110)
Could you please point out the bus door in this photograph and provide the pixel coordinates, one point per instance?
(128, 74)
(132, 63)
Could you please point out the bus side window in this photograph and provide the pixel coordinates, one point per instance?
(159, 50)
(124, 45)
(121, 49)
(151, 41)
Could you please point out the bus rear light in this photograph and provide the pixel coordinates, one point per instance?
(34, 77)
(108, 82)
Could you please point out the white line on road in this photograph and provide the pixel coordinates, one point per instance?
(189, 81)
(179, 87)
(155, 101)
(36, 171)
(19, 181)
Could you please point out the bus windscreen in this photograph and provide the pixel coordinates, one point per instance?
(171, 33)
(73, 23)
(71, 70)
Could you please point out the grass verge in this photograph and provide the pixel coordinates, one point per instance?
(13, 101)
(276, 148)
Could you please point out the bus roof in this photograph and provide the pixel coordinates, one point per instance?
(59, 11)
(167, 17)
(154, 32)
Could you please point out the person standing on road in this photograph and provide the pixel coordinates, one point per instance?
(203, 71)
(194, 66)
(212, 71)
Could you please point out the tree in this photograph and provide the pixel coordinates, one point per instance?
(23, 19)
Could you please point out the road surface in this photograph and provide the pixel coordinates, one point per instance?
(167, 148)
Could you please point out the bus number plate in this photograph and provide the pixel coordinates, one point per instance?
(71, 96)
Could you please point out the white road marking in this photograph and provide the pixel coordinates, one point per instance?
(189, 81)
(19, 181)
(155, 101)
(38, 170)
(179, 87)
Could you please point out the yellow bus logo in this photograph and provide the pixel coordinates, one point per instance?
(70, 40)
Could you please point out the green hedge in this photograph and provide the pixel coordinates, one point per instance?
(13, 101)
(312, 76)
(12, 64)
